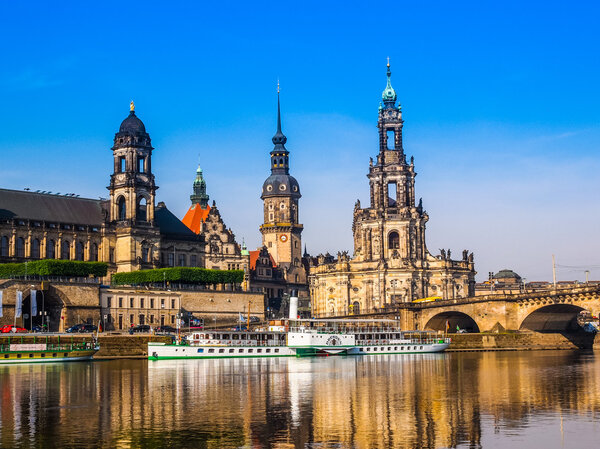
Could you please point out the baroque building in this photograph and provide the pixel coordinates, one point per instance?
(128, 230)
(391, 262)
(221, 250)
(277, 267)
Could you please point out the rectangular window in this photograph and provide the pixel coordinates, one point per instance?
(193, 261)
(122, 165)
(200, 350)
(141, 303)
(162, 303)
(172, 319)
(276, 349)
(152, 303)
(391, 142)
(181, 260)
(211, 350)
(131, 319)
(172, 304)
(141, 164)
(171, 257)
(151, 319)
(108, 302)
(392, 192)
(221, 351)
(111, 255)
(259, 350)
(120, 302)
(131, 303)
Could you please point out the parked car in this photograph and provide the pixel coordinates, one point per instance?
(10, 328)
(165, 330)
(140, 328)
(254, 319)
(82, 328)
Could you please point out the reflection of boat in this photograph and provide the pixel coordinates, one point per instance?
(304, 338)
(16, 351)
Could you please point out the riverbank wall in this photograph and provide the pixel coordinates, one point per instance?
(124, 346)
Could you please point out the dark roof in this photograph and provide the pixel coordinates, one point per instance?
(51, 208)
(504, 274)
(170, 225)
(132, 124)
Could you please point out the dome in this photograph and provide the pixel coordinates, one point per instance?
(132, 125)
(506, 274)
(389, 94)
(281, 185)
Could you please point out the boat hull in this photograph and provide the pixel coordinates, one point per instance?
(45, 356)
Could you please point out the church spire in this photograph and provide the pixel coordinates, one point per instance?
(279, 154)
(199, 196)
(279, 138)
(389, 94)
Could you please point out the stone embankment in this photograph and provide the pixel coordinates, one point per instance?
(522, 341)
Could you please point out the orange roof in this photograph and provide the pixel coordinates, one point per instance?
(195, 216)
(254, 257)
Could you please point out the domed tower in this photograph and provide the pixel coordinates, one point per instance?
(132, 188)
(280, 194)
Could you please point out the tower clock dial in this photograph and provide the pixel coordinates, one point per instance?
(283, 238)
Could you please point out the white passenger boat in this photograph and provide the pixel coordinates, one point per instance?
(304, 338)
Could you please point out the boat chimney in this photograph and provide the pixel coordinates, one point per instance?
(294, 305)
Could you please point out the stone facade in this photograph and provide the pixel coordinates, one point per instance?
(391, 263)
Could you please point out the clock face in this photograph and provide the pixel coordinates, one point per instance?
(283, 238)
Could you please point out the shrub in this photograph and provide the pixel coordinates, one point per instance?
(53, 267)
(183, 275)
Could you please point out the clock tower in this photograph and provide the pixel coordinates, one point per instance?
(281, 231)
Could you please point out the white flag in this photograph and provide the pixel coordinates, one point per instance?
(19, 304)
(33, 295)
(1, 304)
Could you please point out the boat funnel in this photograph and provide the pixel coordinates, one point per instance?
(293, 307)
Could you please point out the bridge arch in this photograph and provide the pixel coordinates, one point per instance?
(552, 318)
(451, 321)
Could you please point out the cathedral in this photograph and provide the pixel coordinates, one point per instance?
(391, 262)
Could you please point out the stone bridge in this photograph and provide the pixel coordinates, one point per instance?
(553, 310)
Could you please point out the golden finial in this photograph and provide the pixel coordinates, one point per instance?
(277, 85)
(132, 106)
(388, 58)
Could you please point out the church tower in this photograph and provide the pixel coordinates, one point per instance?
(280, 194)
(132, 197)
(199, 210)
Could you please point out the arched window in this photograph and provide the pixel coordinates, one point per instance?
(79, 249)
(4, 246)
(393, 240)
(65, 251)
(145, 253)
(35, 249)
(140, 213)
(281, 162)
(94, 252)
(122, 209)
(20, 247)
(50, 249)
(355, 307)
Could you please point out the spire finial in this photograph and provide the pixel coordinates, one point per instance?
(389, 94)
(388, 58)
(277, 85)
(131, 106)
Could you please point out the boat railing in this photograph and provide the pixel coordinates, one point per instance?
(217, 342)
(49, 347)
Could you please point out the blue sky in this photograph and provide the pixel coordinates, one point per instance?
(500, 102)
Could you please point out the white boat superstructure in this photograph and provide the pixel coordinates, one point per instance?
(303, 338)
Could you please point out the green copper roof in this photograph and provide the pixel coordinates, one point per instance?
(199, 196)
(389, 94)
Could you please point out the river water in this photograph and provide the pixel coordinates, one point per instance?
(533, 399)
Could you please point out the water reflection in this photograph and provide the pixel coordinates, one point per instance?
(538, 399)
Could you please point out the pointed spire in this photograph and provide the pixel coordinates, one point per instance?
(279, 138)
(389, 94)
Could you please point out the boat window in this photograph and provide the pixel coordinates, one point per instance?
(43, 354)
(259, 350)
(250, 350)
(66, 354)
(235, 337)
(5, 356)
(211, 350)
(231, 350)
(389, 348)
(420, 347)
(225, 336)
(240, 350)
(267, 350)
(395, 348)
(374, 349)
(54, 355)
(221, 351)
(30, 356)
(276, 349)
(369, 349)
(200, 350)
(18, 356)
(196, 336)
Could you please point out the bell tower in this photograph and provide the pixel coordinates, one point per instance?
(280, 194)
(132, 188)
(132, 198)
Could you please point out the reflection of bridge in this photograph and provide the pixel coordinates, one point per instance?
(551, 310)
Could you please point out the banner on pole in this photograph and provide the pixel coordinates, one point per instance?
(19, 304)
(33, 295)
(1, 303)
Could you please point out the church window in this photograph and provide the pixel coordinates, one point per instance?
(295, 243)
(4, 246)
(122, 164)
(281, 162)
(392, 192)
(94, 252)
(296, 278)
(20, 247)
(141, 164)
(145, 252)
(65, 252)
(111, 255)
(50, 249)
(140, 213)
(393, 240)
(35, 249)
(391, 142)
(79, 248)
(270, 206)
(122, 209)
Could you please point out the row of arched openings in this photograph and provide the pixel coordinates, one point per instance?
(51, 249)
(140, 211)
